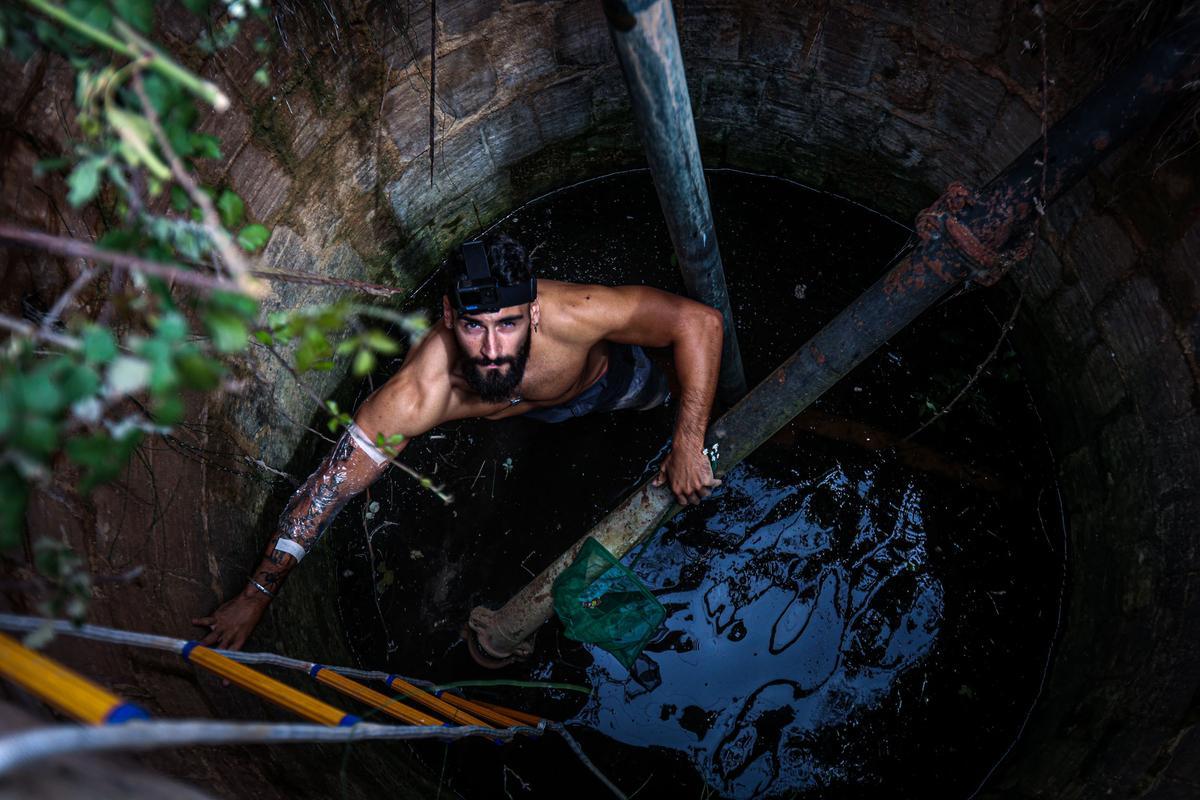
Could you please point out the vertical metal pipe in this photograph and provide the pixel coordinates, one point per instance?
(647, 45)
(964, 237)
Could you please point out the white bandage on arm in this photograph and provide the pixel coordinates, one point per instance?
(366, 445)
(292, 548)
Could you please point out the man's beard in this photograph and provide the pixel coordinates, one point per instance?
(494, 385)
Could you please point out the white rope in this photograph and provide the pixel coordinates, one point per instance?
(18, 750)
(561, 730)
(99, 633)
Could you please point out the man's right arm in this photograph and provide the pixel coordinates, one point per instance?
(353, 465)
(403, 406)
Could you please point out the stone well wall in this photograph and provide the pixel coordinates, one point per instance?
(883, 101)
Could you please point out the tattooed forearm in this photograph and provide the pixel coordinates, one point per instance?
(316, 503)
(269, 579)
(343, 474)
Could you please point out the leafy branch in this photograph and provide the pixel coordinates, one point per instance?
(157, 61)
(183, 306)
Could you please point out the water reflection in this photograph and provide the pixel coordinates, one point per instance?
(792, 608)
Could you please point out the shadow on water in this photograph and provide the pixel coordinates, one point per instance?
(851, 615)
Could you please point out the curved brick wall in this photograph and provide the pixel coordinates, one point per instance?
(883, 101)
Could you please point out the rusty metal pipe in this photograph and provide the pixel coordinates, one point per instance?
(647, 45)
(964, 236)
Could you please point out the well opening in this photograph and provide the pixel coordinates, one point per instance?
(883, 103)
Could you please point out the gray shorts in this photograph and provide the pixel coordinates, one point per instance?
(631, 381)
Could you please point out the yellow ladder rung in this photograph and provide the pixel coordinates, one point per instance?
(492, 715)
(371, 697)
(66, 690)
(267, 688)
(520, 716)
(401, 686)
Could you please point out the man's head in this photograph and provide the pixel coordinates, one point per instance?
(493, 340)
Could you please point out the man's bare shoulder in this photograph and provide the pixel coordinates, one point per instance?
(579, 309)
(583, 312)
(420, 395)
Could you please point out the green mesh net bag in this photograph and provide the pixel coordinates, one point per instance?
(601, 602)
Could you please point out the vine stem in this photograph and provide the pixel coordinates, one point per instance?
(76, 248)
(572, 687)
(27, 330)
(212, 222)
(1004, 329)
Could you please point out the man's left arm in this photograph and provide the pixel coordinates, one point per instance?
(653, 318)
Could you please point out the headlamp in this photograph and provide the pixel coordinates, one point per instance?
(478, 289)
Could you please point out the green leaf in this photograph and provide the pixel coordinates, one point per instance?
(180, 138)
(228, 331)
(197, 7)
(179, 199)
(7, 412)
(118, 240)
(261, 77)
(172, 327)
(99, 346)
(50, 36)
(380, 342)
(252, 237)
(127, 375)
(313, 352)
(168, 410)
(198, 371)
(37, 435)
(39, 393)
(389, 445)
(163, 93)
(79, 382)
(50, 164)
(231, 209)
(84, 181)
(364, 362)
(138, 13)
(234, 303)
(206, 146)
(102, 456)
(92, 12)
(189, 245)
(264, 337)
(13, 496)
(163, 377)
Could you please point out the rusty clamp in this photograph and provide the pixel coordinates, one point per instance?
(941, 221)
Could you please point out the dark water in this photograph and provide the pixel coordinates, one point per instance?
(849, 616)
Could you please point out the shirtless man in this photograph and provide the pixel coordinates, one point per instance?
(509, 345)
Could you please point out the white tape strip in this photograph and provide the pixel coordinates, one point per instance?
(366, 445)
(292, 548)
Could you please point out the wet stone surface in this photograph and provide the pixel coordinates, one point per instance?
(850, 615)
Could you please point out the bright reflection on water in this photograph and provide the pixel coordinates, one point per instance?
(789, 626)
